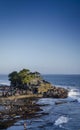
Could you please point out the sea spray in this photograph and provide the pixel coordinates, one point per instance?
(74, 94)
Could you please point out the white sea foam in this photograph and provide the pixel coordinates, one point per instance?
(61, 120)
(74, 94)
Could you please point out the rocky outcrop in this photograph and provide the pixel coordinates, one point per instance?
(56, 92)
(33, 83)
(47, 90)
(44, 88)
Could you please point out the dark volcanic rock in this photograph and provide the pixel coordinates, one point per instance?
(56, 92)
(16, 110)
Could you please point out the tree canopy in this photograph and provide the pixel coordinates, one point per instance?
(23, 78)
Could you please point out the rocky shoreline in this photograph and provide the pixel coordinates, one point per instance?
(16, 107)
(13, 110)
(18, 101)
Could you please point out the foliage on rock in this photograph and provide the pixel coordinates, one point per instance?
(44, 87)
(23, 78)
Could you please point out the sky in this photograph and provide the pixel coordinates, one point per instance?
(41, 35)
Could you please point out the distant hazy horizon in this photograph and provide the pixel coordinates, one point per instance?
(6, 74)
(41, 35)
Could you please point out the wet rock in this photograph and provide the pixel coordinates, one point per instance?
(21, 109)
(56, 92)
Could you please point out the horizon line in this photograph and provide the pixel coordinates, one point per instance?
(49, 74)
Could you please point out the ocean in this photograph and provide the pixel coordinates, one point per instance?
(65, 116)
(4, 80)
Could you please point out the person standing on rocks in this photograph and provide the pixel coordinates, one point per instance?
(25, 126)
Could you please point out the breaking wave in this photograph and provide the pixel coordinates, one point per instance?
(61, 120)
(74, 94)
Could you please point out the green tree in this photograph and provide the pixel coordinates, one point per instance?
(13, 77)
(23, 78)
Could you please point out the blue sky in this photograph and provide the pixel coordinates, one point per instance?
(42, 35)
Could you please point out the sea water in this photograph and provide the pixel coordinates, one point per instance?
(65, 116)
(4, 80)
